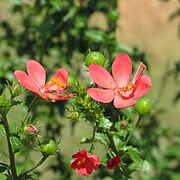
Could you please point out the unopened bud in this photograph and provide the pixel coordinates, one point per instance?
(30, 129)
(73, 116)
(49, 147)
(124, 124)
(143, 106)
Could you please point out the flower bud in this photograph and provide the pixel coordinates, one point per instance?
(124, 124)
(48, 147)
(73, 116)
(113, 163)
(30, 129)
(95, 58)
(143, 106)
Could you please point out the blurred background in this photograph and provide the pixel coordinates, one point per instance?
(59, 34)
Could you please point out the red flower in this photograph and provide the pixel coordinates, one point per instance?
(85, 163)
(35, 81)
(113, 163)
(117, 86)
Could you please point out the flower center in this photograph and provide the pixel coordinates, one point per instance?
(82, 161)
(54, 85)
(125, 91)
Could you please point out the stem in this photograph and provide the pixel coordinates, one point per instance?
(10, 149)
(93, 136)
(33, 102)
(112, 144)
(132, 131)
(37, 165)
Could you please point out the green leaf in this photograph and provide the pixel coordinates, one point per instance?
(105, 123)
(102, 138)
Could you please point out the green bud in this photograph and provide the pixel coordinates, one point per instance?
(95, 58)
(48, 147)
(143, 106)
(113, 15)
(73, 116)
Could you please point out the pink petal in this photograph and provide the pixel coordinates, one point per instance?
(96, 161)
(36, 72)
(86, 171)
(121, 103)
(142, 87)
(55, 97)
(101, 76)
(26, 81)
(122, 69)
(101, 95)
(62, 75)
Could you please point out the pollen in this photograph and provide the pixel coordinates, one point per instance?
(127, 88)
(55, 81)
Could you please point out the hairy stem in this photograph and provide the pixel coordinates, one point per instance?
(33, 102)
(10, 149)
(93, 136)
(132, 131)
(33, 168)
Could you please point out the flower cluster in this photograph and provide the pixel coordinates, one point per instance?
(116, 87)
(85, 163)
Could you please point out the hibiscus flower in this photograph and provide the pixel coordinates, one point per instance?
(117, 87)
(35, 81)
(85, 163)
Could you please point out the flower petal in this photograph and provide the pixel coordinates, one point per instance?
(86, 171)
(101, 76)
(96, 161)
(122, 69)
(26, 81)
(62, 75)
(101, 95)
(36, 72)
(80, 153)
(55, 97)
(143, 87)
(121, 103)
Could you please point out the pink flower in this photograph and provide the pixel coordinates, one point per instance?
(117, 86)
(113, 163)
(85, 163)
(35, 81)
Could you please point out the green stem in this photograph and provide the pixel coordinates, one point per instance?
(112, 144)
(33, 168)
(33, 102)
(132, 131)
(93, 136)
(10, 149)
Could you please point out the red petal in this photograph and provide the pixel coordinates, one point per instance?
(101, 95)
(121, 103)
(62, 75)
(86, 170)
(80, 153)
(26, 81)
(101, 76)
(96, 161)
(122, 69)
(74, 165)
(142, 87)
(36, 72)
